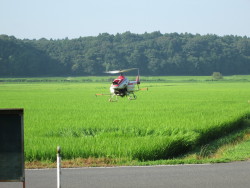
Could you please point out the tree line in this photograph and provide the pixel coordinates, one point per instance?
(154, 53)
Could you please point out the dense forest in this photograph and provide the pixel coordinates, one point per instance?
(154, 53)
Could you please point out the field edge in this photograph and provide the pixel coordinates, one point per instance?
(211, 152)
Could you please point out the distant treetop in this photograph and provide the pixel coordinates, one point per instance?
(154, 53)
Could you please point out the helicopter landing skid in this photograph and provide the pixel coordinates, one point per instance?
(111, 99)
(132, 97)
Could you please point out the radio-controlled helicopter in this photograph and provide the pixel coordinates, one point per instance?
(122, 86)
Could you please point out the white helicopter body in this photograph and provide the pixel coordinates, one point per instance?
(122, 86)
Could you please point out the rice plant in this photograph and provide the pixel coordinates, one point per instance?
(168, 120)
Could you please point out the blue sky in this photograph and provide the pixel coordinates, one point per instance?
(56, 19)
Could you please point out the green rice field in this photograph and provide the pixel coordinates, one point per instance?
(174, 116)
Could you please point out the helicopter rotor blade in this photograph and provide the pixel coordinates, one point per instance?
(127, 70)
(113, 72)
(120, 71)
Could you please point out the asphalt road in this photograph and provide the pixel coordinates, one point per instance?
(228, 175)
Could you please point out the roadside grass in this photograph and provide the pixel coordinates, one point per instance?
(231, 147)
(224, 149)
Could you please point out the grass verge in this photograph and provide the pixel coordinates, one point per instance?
(231, 147)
